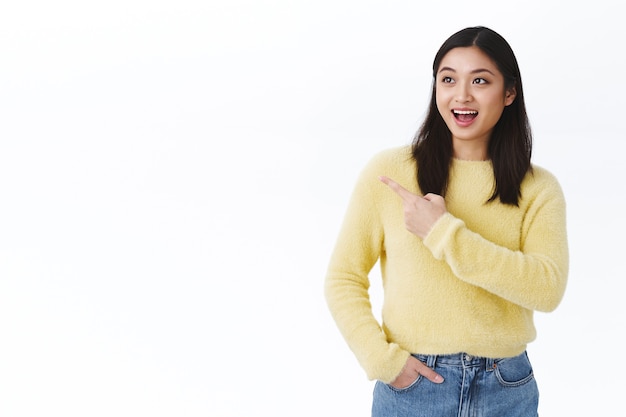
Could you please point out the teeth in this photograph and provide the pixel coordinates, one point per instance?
(465, 112)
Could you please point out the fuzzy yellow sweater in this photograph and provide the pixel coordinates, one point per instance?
(470, 286)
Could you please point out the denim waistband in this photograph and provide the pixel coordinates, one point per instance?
(459, 360)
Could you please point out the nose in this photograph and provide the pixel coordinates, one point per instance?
(462, 93)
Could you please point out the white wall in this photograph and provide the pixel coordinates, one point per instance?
(173, 175)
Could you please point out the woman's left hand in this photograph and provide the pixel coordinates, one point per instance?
(420, 213)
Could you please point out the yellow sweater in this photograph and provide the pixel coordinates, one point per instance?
(470, 286)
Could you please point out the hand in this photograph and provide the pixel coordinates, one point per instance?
(420, 213)
(412, 370)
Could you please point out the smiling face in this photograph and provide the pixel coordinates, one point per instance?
(471, 97)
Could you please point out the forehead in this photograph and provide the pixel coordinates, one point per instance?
(467, 59)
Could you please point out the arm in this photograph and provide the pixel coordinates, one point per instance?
(534, 276)
(357, 250)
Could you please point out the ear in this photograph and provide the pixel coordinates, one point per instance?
(509, 96)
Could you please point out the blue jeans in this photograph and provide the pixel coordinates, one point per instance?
(472, 387)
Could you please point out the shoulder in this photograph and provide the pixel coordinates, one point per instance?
(541, 177)
(396, 163)
(391, 161)
(541, 183)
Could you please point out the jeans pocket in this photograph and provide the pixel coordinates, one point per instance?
(513, 372)
(408, 387)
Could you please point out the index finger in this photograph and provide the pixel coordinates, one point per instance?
(400, 190)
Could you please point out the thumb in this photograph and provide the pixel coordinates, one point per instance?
(433, 197)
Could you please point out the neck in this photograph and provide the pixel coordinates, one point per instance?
(467, 152)
(471, 157)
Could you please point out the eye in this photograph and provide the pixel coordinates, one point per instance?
(447, 80)
(479, 81)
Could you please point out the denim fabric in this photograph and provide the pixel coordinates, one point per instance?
(472, 387)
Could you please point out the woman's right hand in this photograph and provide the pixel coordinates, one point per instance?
(412, 370)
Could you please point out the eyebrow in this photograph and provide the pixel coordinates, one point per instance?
(476, 71)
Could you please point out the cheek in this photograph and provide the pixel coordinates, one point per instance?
(442, 105)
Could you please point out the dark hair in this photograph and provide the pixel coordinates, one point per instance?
(510, 145)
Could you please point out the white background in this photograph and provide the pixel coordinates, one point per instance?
(173, 175)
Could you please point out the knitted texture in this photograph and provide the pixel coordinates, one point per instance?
(470, 286)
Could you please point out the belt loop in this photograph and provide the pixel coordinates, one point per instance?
(490, 364)
(431, 360)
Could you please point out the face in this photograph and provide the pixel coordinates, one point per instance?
(470, 95)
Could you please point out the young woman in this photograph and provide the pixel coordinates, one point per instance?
(471, 239)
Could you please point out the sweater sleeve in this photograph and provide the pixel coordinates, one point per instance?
(356, 251)
(533, 277)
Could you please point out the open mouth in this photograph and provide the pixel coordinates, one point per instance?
(465, 115)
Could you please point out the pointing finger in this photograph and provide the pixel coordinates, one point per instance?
(400, 190)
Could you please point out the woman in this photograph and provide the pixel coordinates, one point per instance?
(471, 240)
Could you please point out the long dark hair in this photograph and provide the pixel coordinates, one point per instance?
(510, 145)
